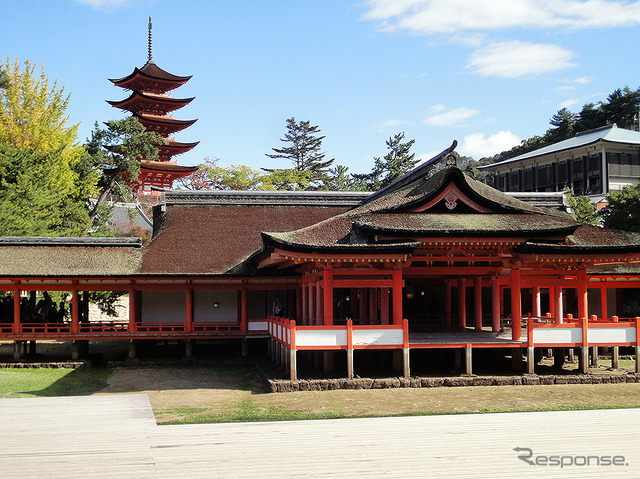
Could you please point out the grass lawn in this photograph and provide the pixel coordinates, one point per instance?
(224, 393)
(22, 383)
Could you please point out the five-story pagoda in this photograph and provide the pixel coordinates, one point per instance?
(151, 103)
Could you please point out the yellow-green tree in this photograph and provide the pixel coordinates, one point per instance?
(45, 179)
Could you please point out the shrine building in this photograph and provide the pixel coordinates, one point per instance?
(436, 261)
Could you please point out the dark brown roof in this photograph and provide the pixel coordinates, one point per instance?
(69, 257)
(141, 102)
(166, 166)
(216, 239)
(464, 224)
(163, 124)
(590, 239)
(150, 75)
(410, 210)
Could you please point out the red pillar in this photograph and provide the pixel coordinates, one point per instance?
(319, 303)
(328, 297)
(188, 321)
(516, 305)
(85, 306)
(583, 298)
(132, 310)
(396, 297)
(384, 305)
(312, 304)
(305, 303)
(495, 305)
(477, 296)
(244, 314)
(373, 306)
(552, 302)
(537, 302)
(75, 311)
(447, 304)
(559, 306)
(462, 303)
(16, 311)
(603, 303)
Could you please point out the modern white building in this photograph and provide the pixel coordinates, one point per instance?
(594, 162)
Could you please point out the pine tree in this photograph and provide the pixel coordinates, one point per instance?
(116, 151)
(304, 150)
(396, 163)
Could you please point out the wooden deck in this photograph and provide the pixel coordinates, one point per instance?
(484, 338)
(115, 436)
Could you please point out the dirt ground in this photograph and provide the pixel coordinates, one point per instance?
(220, 390)
(176, 393)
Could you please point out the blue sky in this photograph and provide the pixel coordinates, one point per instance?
(486, 73)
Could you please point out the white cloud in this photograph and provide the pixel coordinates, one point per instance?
(582, 80)
(448, 118)
(455, 16)
(478, 146)
(516, 59)
(104, 3)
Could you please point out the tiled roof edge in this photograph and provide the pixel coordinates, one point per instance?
(267, 198)
(60, 241)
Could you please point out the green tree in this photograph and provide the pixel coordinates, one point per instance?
(304, 150)
(210, 176)
(582, 208)
(116, 151)
(342, 180)
(38, 195)
(621, 107)
(623, 210)
(396, 163)
(44, 178)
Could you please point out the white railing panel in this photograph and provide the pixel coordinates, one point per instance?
(612, 335)
(556, 335)
(322, 337)
(380, 337)
(258, 325)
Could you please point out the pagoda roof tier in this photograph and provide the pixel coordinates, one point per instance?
(150, 103)
(163, 125)
(175, 148)
(150, 78)
(167, 167)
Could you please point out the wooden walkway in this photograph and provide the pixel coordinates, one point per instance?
(115, 436)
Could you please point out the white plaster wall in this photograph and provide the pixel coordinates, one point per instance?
(387, 337)
(204, 312)
(612, 335)
(557, 335)
(163, 306)
(321, 338)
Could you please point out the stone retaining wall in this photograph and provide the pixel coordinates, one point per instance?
(282, 385)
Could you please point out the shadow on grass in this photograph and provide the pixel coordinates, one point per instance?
(78, 382)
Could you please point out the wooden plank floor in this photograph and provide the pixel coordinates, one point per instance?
(116, 436)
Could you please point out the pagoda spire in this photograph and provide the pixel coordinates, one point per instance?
(150, 54)
(151, 103)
